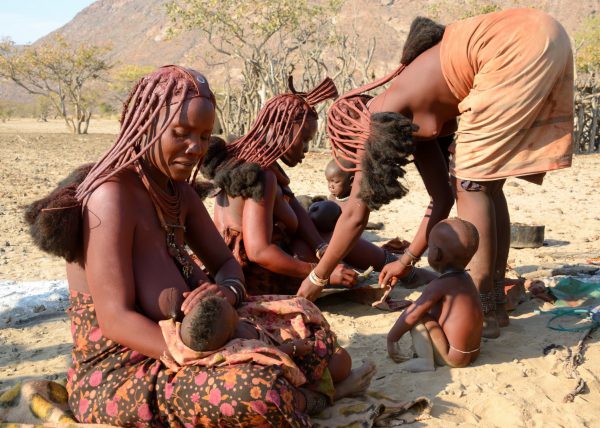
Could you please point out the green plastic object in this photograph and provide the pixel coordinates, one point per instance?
(572, 290)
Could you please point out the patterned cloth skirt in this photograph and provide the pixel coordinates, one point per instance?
(112, 384)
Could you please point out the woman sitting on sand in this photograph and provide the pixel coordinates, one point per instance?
(269, 232)
(122, 227)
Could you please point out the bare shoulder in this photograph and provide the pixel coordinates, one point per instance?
(119, 195)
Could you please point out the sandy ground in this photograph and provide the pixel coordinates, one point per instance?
(511, 384)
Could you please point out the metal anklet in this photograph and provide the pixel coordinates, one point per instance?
(499, 292)
(315, 402)
(488, 301)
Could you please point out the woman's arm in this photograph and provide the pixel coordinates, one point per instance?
(306, 228)
(206, 242)
(257, 230)
(109, 225)
(434, 172)
(348, 230)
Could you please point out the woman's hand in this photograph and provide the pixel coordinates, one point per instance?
(205, 289)
(392, 271)
(344, 276)
(308, 290)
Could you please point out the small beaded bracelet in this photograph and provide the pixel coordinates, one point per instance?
(314, 278)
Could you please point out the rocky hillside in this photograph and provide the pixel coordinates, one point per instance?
(136, 29)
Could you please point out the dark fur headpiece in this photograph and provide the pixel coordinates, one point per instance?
(423, 34)
(388, 150)
(55, 221)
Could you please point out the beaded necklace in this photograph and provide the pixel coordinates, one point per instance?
(168, 206)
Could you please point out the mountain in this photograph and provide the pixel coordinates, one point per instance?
(136, 29)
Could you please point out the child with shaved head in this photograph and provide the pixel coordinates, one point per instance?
(324, 214)
(446, 320)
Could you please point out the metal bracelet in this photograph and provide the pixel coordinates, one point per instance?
(314, 278)
(321, 250)
(237, 287)
(414, 258)
(236, 293)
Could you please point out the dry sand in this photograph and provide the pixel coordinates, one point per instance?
(511, 384)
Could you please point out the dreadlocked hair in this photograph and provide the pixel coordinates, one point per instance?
(55, 221)
(388, 150)
(423, 34)
(169, 86)
(235, 176)
(238, 167)
(204, 323)
(348, 121)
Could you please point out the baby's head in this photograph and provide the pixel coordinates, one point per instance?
(209, 325)
(339, 182)
(452, 244)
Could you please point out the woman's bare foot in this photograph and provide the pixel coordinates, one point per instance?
(502, 315)
(357, 382)
(491, 329)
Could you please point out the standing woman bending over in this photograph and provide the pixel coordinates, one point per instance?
(509, 76)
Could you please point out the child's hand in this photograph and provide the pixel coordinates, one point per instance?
(392, 271)
(394, 351)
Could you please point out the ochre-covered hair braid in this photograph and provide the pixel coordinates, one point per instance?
(349, 120)
(237, 168)
(270, 136)
(55, 221)
(168, 86)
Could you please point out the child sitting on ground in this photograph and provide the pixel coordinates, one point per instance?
(324, 214)
(446, 320)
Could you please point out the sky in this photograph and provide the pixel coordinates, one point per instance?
(25, 21)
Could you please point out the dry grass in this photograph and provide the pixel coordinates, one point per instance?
(55, 126)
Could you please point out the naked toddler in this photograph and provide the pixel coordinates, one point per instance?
(445, 322)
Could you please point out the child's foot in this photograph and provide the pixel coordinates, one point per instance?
(357, 382)
(502, 315)
(491, 329)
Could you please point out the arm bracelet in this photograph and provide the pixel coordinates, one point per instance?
(321, 250)
(414, 259)
(312, 277)
(237, 287)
